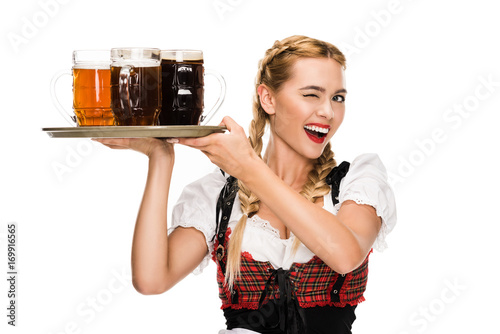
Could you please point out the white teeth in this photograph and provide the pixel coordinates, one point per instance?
(316, 129)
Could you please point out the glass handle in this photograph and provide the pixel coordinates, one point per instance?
(206, 118)
(124, 90)
(68, 116)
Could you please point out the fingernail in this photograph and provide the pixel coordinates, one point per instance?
(172, 140)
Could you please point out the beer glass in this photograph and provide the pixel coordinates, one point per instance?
(183, 88)
(91, 89)
(135, 85)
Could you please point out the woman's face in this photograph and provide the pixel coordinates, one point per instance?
(309, 108)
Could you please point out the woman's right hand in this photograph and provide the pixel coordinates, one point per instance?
(147, 146)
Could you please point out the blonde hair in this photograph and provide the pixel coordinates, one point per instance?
(274, 70)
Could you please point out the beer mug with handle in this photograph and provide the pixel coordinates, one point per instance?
(91, 89)
(183, 88)
(136, 86)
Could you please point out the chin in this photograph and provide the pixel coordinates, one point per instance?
(314, 154)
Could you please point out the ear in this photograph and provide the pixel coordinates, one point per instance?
(266, 99)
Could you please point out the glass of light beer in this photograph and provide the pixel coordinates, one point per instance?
(91, 89)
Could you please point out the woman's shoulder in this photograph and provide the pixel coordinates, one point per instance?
(367, 182)
(217, 176)
(366, 167)
(367, 162)
(207, 185)
(366, 176)
(197, 201)
(196, 207)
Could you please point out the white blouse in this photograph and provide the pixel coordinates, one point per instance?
(365, 183)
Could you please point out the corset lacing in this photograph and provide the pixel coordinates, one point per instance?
(292, 318)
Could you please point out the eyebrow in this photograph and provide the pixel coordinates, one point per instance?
(321, 89)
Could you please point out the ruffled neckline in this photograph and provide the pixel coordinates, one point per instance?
(263, 224)
(257, 221)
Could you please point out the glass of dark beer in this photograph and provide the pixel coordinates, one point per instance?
(183, 88)
(135, 86)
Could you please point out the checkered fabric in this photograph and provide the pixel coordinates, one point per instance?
(312, 283)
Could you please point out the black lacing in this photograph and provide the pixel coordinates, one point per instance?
(292, 319)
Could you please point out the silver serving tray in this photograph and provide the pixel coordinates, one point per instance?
(169, 131)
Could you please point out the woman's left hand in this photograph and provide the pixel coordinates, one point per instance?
(230, 151)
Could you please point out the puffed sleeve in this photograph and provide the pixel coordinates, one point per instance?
(367, 183)
(196, 208)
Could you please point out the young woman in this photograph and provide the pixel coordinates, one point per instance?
(292, 252)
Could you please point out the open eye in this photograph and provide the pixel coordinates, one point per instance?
(339, 98)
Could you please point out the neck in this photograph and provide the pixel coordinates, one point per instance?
(287, 164)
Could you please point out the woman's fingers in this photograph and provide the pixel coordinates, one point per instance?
(206, 141)
(198, 143)
(115, 147)
(144, 145)
(229, 123)
(116, 143)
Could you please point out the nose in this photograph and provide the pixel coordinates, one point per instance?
(326, 110)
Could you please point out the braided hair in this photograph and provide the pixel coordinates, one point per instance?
(274, 70)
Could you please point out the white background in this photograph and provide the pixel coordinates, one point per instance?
(409, 64)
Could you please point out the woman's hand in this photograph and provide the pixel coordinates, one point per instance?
(147, 146)
(230, 151)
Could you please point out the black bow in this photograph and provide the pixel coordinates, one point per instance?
(337, 174)
(334, 179)
(291, 316)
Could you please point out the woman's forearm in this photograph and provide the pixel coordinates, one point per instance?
(320, 231)
(149, 246)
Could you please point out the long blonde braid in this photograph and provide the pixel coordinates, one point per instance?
(274, 70)
(249, 203)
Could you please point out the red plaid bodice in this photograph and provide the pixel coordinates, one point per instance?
(312, 282)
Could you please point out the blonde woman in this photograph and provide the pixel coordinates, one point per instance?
(290, 232)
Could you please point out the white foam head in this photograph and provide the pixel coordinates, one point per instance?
(140, 57)
(182, 55)
(91, 59)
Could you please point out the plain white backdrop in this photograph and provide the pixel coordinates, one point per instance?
(424, 93)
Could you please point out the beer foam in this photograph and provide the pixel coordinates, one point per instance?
(182, 55)
(139, 57)
(92, 65)
(135, 63)
(91, 58)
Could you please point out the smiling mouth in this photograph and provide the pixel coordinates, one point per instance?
(316, 131)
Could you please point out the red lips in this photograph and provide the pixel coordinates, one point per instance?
(317, 132)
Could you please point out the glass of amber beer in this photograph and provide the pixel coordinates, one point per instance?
(91, 88)
(136, 86)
